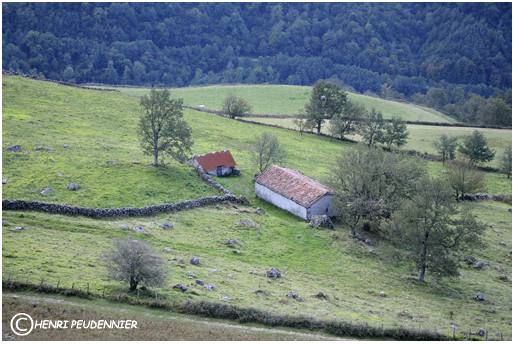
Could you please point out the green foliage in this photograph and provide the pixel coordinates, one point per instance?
(427, 227)
(446, 147)
(505, 164)
(371, 127)
(370, 185)
(348, 121)
(475, 147)
(465, 178)
(162, 128)
(395, 133)
(326, 101)
(234, 106)
(267, 151)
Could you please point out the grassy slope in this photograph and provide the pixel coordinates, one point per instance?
(422, 136)
(285, 99)
(70, 248)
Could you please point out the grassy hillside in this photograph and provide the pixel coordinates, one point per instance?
(421, 136)
(287, 100)
(70, 249)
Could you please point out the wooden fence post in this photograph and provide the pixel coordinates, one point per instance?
(58, 283)
(42, 281)
(88, 287)
(27, 280)
(103, 291)
(73, 284)
(138, 295)
(156, 297)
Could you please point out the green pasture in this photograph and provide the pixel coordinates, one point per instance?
(101, 127)
(288, 100)
(421, 136)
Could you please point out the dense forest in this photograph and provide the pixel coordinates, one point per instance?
(407, 51)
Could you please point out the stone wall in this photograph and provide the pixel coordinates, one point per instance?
(125, 211)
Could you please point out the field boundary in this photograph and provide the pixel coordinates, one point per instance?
(124, 211)
(228, 311)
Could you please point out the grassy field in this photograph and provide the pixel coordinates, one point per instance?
(288, 100)
(422, 136)
(69, 249)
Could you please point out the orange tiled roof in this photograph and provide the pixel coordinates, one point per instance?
(211, 161)
(293, 185)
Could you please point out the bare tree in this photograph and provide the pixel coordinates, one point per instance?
(162, 128)
(267, 151)
(136, 263)
(235, 106)
(465, 178)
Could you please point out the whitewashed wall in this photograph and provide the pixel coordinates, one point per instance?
(280, 201)
(320, 207)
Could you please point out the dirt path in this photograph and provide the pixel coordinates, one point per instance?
(303, 336)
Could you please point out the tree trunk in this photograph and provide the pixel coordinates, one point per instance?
(133, 284)
(319, 127)
(422, 274)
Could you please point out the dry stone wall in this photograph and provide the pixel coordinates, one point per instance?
(124, 211)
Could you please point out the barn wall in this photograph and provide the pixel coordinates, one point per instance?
(280, 201)
(226, 171)
(320, 206)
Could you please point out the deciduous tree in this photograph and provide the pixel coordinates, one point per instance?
(476, 148)
(396, 133)
(162, 128)
(371, 127)
(465, 178)
(136, 263)
(434, 230)
(327, 99)
(234, 106)
(505, 163)
(267, 151)
(348, 121)
(446, 147)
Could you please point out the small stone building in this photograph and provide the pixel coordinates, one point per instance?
(292, 190)
(217, 163)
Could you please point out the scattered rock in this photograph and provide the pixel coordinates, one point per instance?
(73, 186)
(230, 242)
(167, 225)
(259, 291)
(166, 249)
(212, 271)
(225, 298)
(260, 211)
(503, 278)
(292, 295)
(18, 228)
(139, 228)
(59, 174)
(443, 171)
(319, 295)
(14, 148)
(181, 261)
(65, 146)
(4, 222)
(246, 223)
(502, 243)
(46, 191)
(194, 261)
(235, 213)
(180, 287)
(189, 273)
(373, 251)
(321, 221)
(124, 227)
(382, 294)
(33, 304)
(414, 319)
(210, 286)
(199, 282)
(492, 310)
(237, 252)
(481, 332)
(480, 297)
(5, 181)
(230, 276)
(479, 264)
(273, 272)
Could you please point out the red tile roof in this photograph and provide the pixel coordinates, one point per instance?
(293, 185)
(211, 161)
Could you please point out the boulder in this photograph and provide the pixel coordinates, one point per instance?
(230, 276)
(124, 227)
(65, 146)
(139, 228)
(59, 174)
(5, 181)
(273, 272)
(73, 186)
(260, 211)
(181, 261)
(33, 304)
(210, 286)
(382, 294)
(18, 228)
(167, 225)
(14, 148)
(246, 223)
(321, 221)
(4, 222)
(504, 278)
(212, 271)
(320, 295)
(230, 242)
(199, 282)
(180, 287)
(481, 332)
(194, 261)
(46, 191)
(189, 273)
(479, 264)
(480, 297)
(292, 295)
(166, 249)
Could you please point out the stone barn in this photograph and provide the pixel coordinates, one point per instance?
(217, 163)
(292, 190)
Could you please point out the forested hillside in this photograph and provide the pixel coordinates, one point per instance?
(397, 50)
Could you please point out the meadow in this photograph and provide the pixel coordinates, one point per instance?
(288, 100)
(69, 249)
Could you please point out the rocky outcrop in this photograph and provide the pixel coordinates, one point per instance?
(321, 221)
